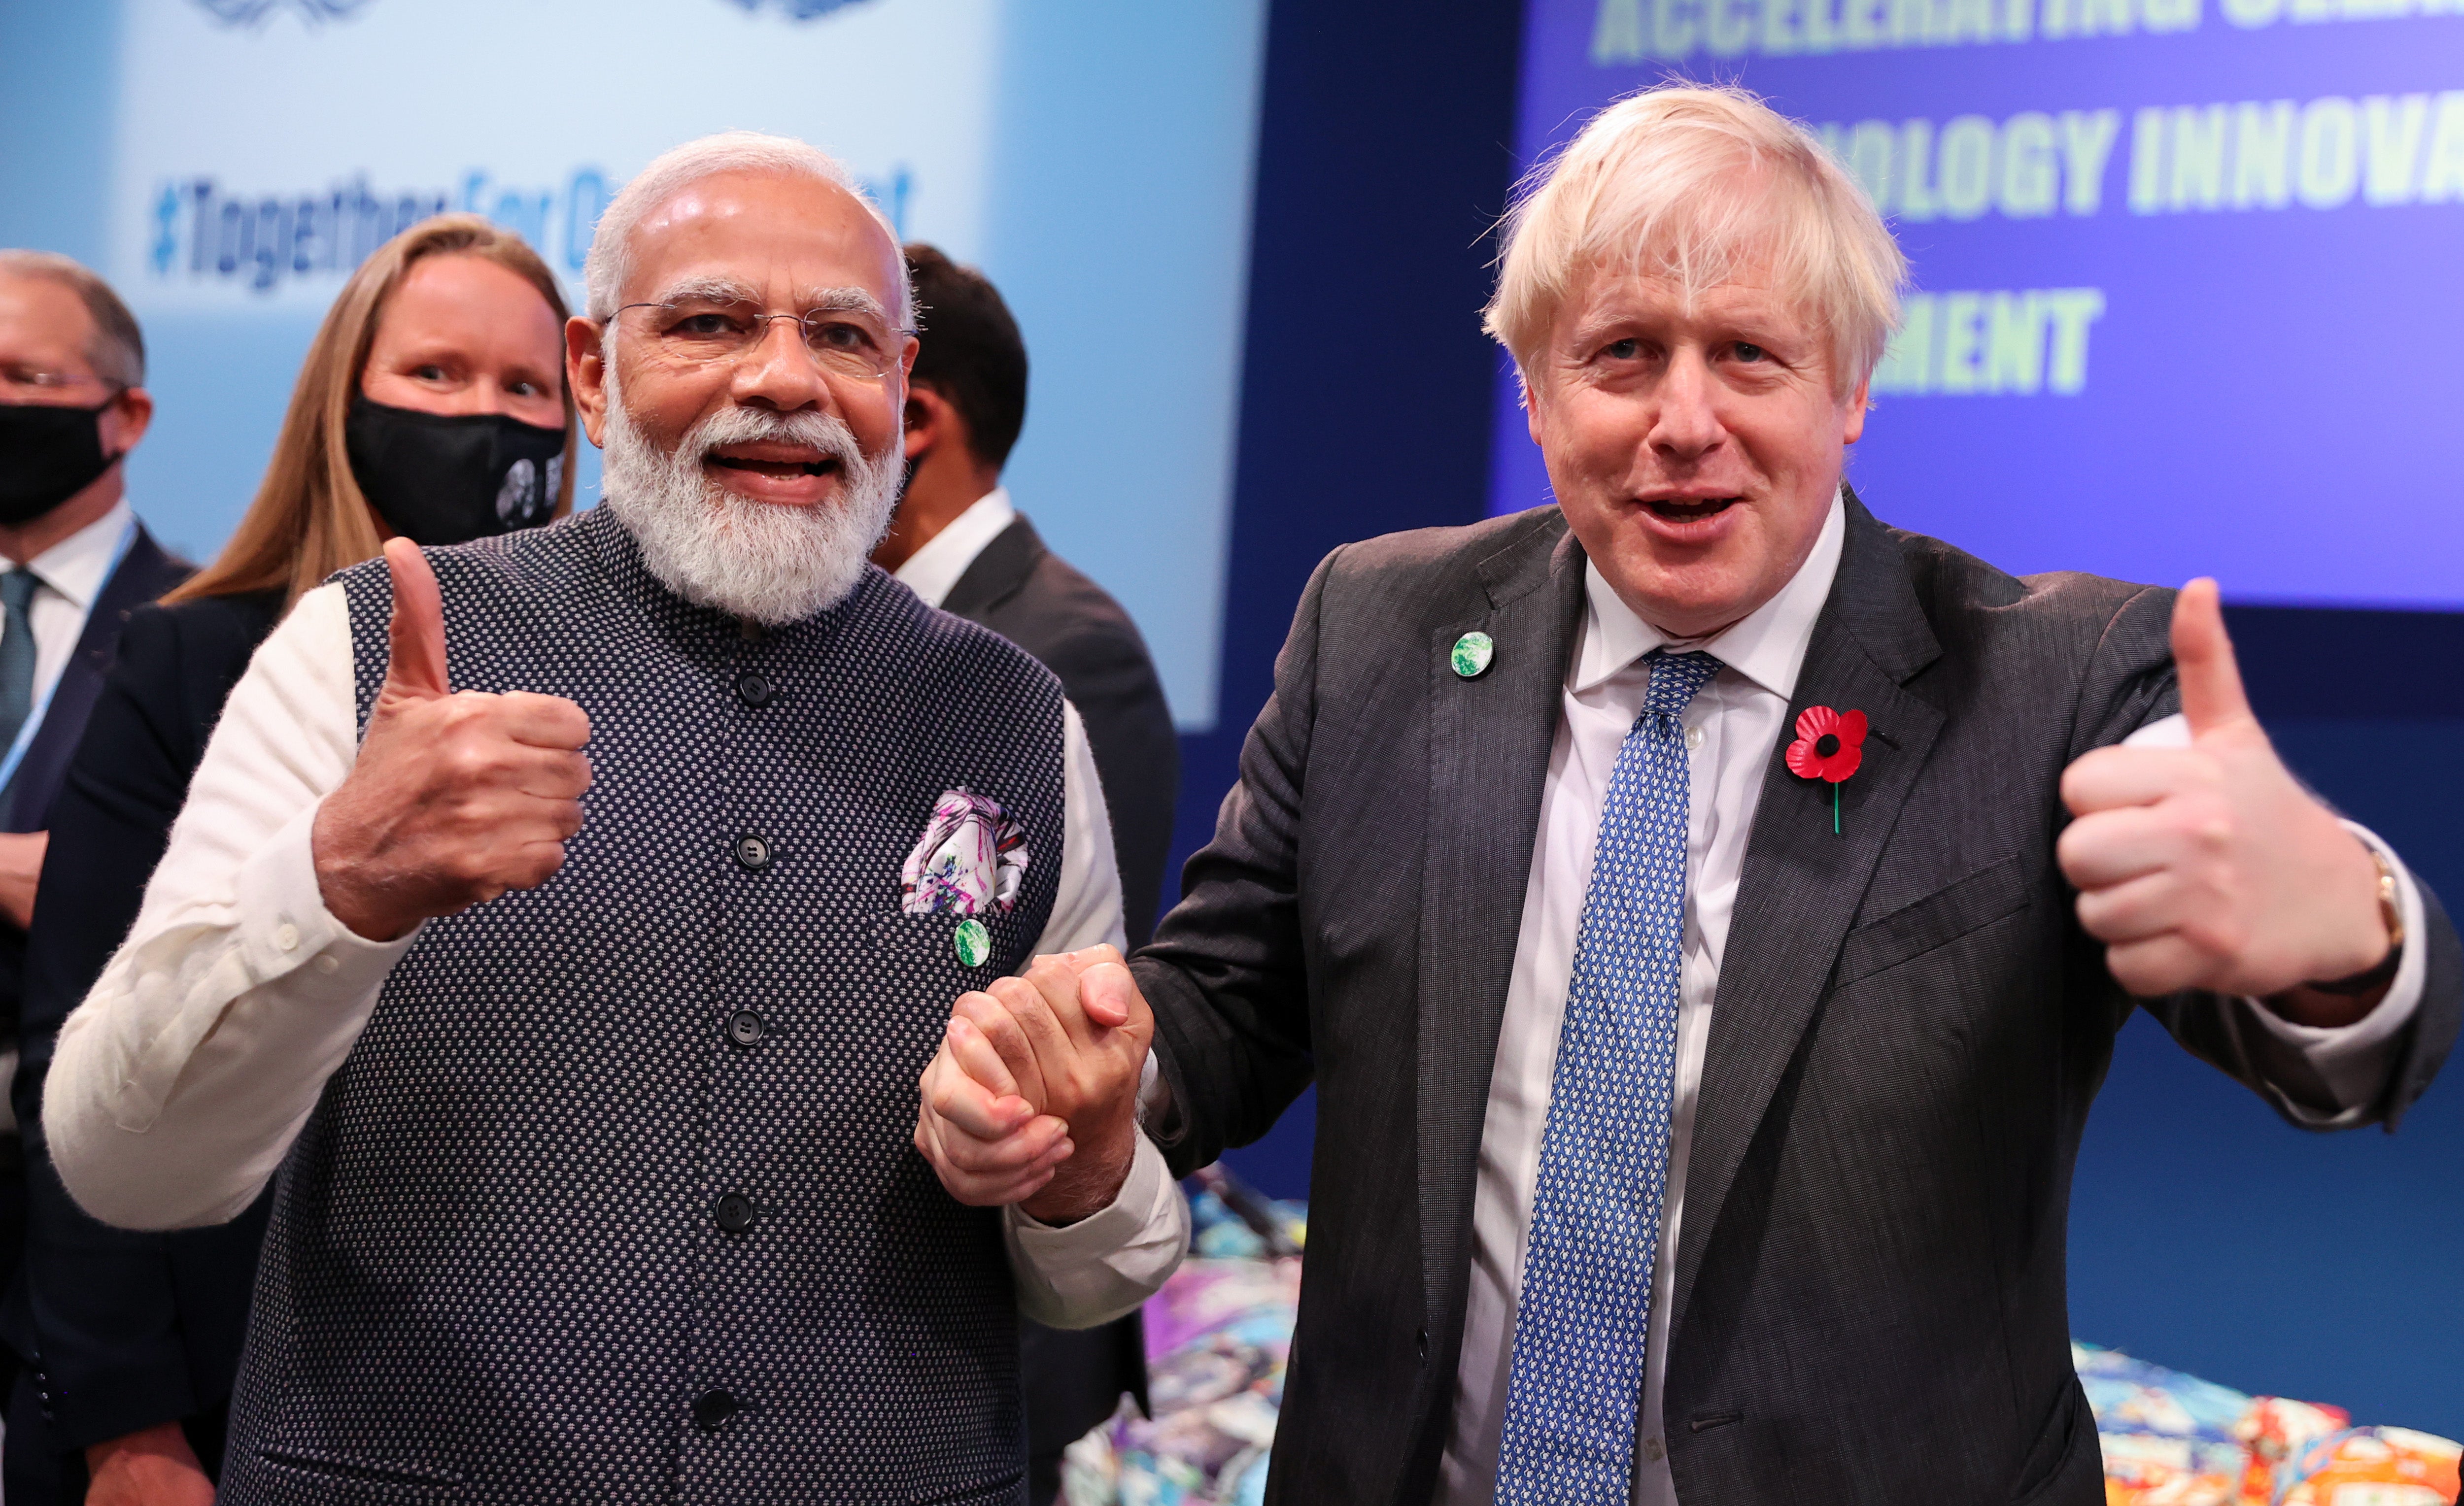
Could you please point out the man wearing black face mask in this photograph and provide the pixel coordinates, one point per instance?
(73, 404)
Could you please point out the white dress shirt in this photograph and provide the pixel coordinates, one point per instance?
(1732, 727)
(192, 1066)
(935, 569)
(70, 575)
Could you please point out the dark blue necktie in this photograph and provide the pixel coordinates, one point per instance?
(1583, 1315)
(16, 653)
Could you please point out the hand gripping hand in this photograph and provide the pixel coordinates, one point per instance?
(1033, 1097)
(2211, 866)
(456, 796)
(150, 1468)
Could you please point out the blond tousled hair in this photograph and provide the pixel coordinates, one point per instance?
(310, 518)
(1697, 184)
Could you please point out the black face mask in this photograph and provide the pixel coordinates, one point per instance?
(47, 455)
(440, 480)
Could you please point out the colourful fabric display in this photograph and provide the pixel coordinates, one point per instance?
(1217, 1336)
(2171, 1439)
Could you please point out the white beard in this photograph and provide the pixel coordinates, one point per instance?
(755, 560)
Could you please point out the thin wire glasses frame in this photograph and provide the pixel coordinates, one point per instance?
(14, 380)
(846, 341)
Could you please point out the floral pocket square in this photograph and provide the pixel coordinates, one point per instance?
(972, 860)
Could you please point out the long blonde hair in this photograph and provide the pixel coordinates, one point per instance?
(310, 517)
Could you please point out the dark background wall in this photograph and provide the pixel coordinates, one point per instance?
(2206, 1234)
(1384, 156)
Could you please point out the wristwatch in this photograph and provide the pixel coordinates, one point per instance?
(2391, 915)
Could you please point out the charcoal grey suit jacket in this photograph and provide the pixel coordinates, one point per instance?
(1040, 601)
(1910, 1023)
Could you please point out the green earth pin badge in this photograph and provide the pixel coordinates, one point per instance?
(1472, 653)
(973, 943)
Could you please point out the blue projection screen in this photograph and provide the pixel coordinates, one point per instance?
(2187, 271)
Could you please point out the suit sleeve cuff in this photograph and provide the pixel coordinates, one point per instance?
(2354, 1061)
(1104, 1265)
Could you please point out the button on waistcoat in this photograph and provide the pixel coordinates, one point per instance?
(614, 1199)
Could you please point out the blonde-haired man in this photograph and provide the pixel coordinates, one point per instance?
(1657, 1164)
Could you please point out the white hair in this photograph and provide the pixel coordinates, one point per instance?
(1697, 186)
(611, 247)
(755, 560)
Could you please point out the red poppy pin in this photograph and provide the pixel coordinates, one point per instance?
(1829, 746)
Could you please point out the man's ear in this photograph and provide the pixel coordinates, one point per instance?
(585, 376)
(929, 418)
(124, 422)
(1857, 404)
(1531, 421)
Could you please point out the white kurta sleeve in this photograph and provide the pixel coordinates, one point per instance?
(1093, 1270)
(1087, 911)
(1100, 1267)
(180, 1082)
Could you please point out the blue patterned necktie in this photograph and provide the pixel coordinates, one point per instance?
(16, 653)
(1585, 1306)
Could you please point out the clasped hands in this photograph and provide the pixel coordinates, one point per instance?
(2210, 866)
(1032, 1098)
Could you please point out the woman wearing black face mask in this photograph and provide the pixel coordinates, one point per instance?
(431, 404)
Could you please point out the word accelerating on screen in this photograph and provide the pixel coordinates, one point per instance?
(1982, 344)
(1632, 30)
(2381, 151)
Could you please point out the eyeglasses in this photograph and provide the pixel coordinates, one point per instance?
(23, 381)
(851, 342)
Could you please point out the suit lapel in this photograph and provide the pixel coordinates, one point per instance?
(1802, 884)
(999, 569)
(1490, 739)
(142, 573)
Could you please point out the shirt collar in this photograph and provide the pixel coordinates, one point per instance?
(934, 570)
(77, 566)
(1767, 646)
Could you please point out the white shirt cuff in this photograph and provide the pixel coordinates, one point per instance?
(284, 926)
(1109, 1262)
(2353, 1061)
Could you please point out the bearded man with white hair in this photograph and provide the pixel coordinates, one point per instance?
(1705, 912)
(587, 1078)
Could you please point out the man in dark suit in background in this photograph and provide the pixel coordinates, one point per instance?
(958, 542)
(73, 404)
(1486, 880)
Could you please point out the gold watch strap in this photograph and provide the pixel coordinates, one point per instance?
(2391, 915)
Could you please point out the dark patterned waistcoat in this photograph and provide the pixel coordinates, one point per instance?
(615, 1200)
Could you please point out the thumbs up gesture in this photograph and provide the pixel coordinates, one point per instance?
(456, 796)
(2210, 866)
